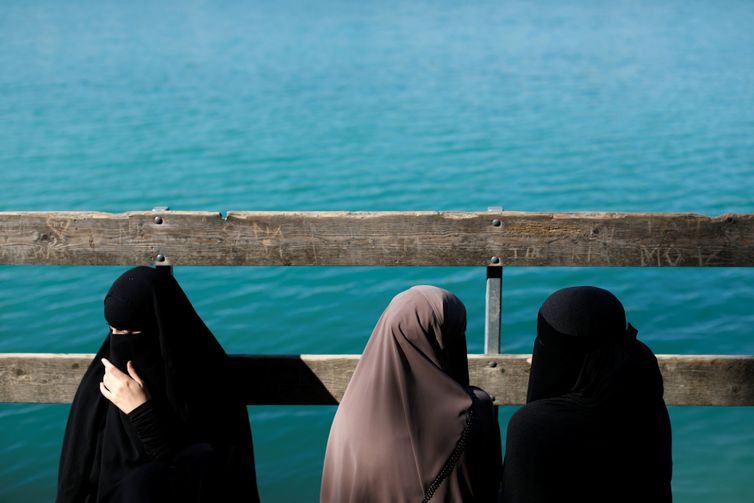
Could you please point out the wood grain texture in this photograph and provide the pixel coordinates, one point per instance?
(377, 239)
(322, 379)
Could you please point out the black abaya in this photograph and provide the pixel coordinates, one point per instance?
(595, 427)
(191, 441)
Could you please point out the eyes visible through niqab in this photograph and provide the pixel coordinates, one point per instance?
(116, 331)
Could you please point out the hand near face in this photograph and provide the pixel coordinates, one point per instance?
(126, 391)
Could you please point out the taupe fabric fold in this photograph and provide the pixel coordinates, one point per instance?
(406, 408)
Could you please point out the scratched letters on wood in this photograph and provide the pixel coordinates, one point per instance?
(377, 239)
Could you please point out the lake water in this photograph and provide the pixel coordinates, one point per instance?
(335, 105)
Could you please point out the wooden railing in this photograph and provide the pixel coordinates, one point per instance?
(485, 239)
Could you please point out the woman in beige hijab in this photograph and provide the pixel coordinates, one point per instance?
(409, 427)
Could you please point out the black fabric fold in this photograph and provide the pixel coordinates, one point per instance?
(154, 434)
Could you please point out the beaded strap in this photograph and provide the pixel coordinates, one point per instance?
(454, 456)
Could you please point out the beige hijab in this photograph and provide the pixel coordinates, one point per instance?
(399, 428)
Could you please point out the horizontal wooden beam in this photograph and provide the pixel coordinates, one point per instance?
(321, 379)
(377, 239)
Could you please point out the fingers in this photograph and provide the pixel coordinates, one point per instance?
(110, 383)
(113, 379)
(133, 374)
(124, 390)
(105, 392)
(111, 369)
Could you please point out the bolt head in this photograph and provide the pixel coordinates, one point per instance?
(158, 220)
(496, 222)
(492, 364)
(160, 258)
(495, 260)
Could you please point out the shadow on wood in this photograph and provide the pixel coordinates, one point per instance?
(280, 380)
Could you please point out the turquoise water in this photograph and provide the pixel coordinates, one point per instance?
(328, 105)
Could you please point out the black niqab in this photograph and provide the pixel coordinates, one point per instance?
(571, 323)
(595, 427)
(205, 448)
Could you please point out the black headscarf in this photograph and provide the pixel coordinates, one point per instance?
(192, 403)
(595, 427)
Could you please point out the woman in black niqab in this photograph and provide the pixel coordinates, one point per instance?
(595, 426)
(190, 441)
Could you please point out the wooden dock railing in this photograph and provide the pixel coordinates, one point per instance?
(492, 239)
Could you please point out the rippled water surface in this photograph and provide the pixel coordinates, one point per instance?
(328, 105)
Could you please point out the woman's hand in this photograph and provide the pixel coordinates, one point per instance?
(125, 392)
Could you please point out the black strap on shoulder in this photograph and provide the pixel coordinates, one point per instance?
(455, 455)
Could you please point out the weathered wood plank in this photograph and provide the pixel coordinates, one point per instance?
(321, 379)
(378, 239)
